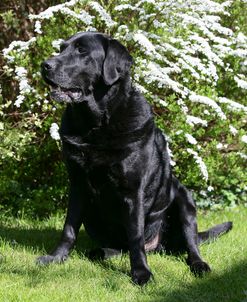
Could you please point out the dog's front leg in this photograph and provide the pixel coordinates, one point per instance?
(134, 223)
(70, 231)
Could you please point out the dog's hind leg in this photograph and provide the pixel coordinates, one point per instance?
(187, 216)
(103, 253)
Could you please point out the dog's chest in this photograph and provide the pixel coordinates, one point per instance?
(99, 147)
(105, 201)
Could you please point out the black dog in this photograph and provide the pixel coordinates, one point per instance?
(121, 184)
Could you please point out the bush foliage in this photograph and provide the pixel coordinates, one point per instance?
(190, 63)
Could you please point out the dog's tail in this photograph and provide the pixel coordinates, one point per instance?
(214, 232)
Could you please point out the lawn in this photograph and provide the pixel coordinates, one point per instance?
(79, 279)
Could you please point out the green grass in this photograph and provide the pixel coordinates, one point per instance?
(82, 280)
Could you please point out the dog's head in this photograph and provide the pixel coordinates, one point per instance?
(84, 59)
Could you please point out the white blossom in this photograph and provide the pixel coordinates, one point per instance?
(219, 146)
(242, 155)
(64, 8)
(56, 43)
(169, 151)
(17, 45)
(144, 42)
(190, 139)
(103, 14)
(233, 130)
(244, 139)
(232, 105)
(179, 132)
(38, 27)
(193, 120)
(155, 73)
(125, 7)
(19, 100)
(200, 162)
(54, 131)
(162, 102)
(82, 16)
(240, 82)
(241, 38)
(20, 72)
(210, 188)
(207, 101)
(24, 86)
(140, 88)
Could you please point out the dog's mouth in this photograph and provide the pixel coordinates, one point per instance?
(64, 94)
(68, 95)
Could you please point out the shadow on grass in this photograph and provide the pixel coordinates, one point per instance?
(43, 240)
(230, 286)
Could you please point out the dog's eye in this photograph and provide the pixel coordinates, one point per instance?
(81, 50)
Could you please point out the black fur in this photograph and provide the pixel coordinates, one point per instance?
(121, 184)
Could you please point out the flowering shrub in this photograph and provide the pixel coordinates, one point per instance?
(190, 66)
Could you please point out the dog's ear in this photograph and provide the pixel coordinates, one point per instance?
(117, 62)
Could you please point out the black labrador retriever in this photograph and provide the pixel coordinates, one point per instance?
(121, 183)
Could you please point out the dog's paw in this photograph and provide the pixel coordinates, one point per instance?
(199, 268)
(141, 276)
(48, 259)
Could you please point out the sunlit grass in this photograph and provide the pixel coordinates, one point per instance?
(79, 279)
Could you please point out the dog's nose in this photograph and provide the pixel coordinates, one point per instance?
(48, 65)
